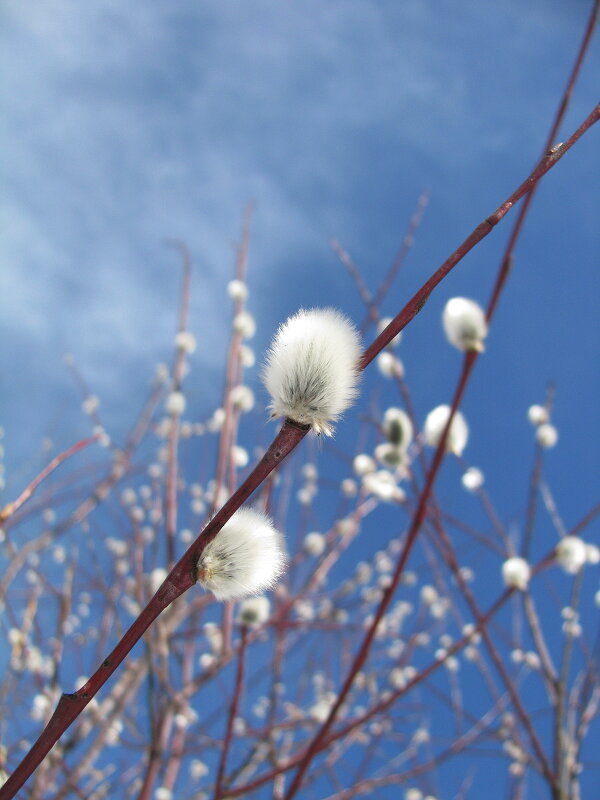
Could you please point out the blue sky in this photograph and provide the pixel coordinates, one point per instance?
(127, 124)
(127, 127)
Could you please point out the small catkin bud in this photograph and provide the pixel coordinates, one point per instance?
(546, 435)
(185, 341)
(242, 397)
(571, 554)
(389, 365)
(592, 554)
(390, 455)
(254, 611)
(516, 573)
(245, 558)
(435, 423)
(537, 415)
(314, 543)
(175, 404)
(244, 324)
(311, 370)
(465, 324)
(472, 479)
(398, 427)
(247, 357)
(363, 464)
(237, 290)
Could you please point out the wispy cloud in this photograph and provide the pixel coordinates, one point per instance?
(128, 124)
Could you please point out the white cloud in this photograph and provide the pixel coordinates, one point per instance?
(128, 124)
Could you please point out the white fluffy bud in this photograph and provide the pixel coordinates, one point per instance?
(382, 484)
(244, 324)
(185, 341)
(389, 455)
(237, 290)
(465, 324)
(239, 456)
(398, 427)
(537, 415)
(175, 404)
(472, 479)
(245, 558)
(458, 434)
(389, 365)
(546, 435)
(242, 397)
(247, 357)
(571, 553)
(314, 543)
(363, 464)
(254, 611)
(516, 573)
(311, 370)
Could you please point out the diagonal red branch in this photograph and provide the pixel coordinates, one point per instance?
(233, 710)
(10, 508)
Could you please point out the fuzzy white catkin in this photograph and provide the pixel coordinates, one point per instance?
(245, 558)
(314, 543)
(242, 397)
(311, 371)
(237, 290)
(472, 479)
(571, 554)
(254, 611)
(239, 456)
(244, 324)
(390, 366)
(537, 415)
(516, 573)
(185, 341)
(435, 423)
(389, 455)
(175, 404)
(465, 324)
(546, 435)
(363, 464)
(398, 427)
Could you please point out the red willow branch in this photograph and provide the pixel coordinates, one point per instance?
(10, 508)
(183, 575)
(233, 710)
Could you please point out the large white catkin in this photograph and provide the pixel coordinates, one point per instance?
(311, 371)
(245, 558)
